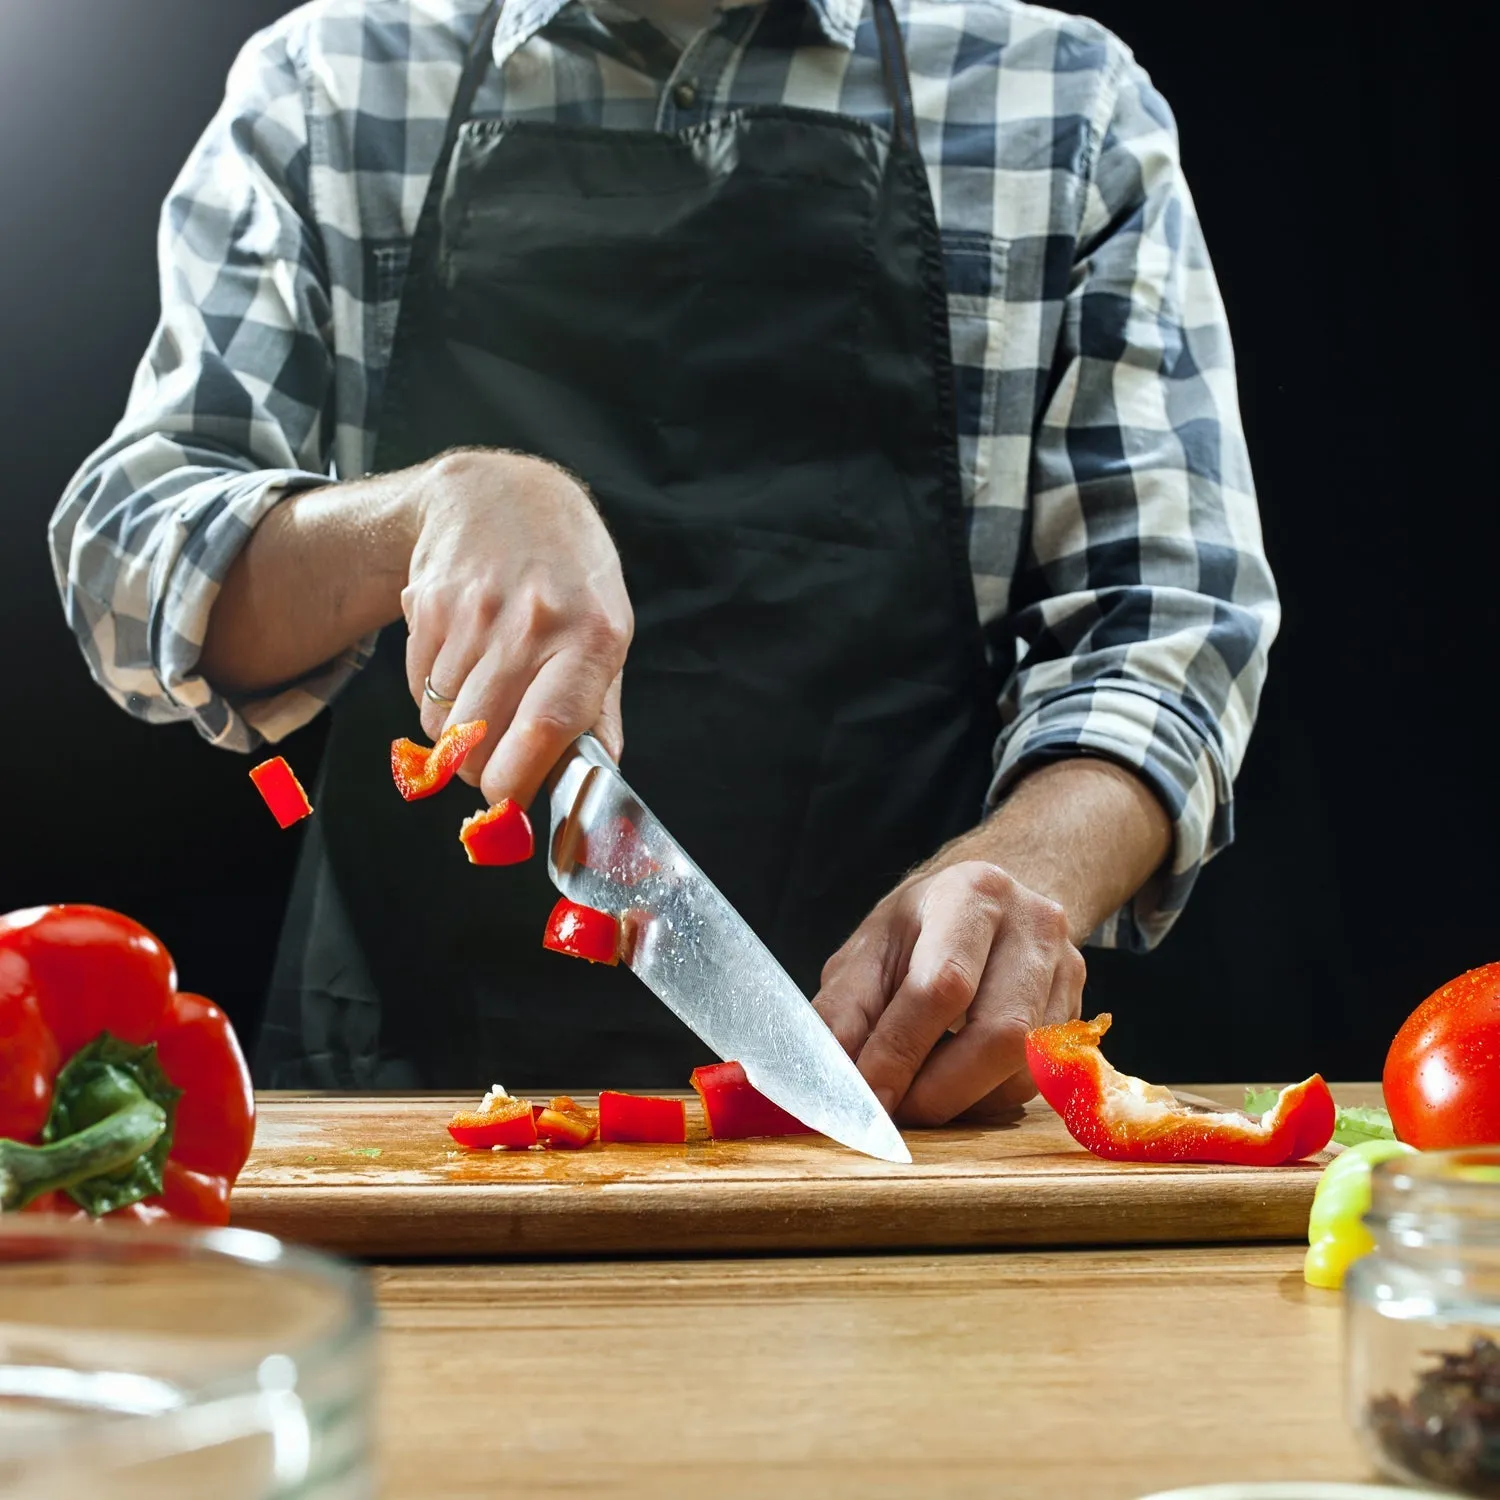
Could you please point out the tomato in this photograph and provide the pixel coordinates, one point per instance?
(1442, 1074)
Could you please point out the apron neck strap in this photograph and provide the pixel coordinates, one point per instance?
(897, 75)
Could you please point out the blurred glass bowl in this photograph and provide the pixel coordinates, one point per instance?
(161, 1361)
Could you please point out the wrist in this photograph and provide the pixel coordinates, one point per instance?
(1084, 832)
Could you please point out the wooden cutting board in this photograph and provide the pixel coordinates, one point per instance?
(378, 1175)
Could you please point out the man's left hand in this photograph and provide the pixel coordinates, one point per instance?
(934, 993)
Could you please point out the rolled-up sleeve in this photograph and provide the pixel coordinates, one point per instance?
(1144, 606)
(228, 413)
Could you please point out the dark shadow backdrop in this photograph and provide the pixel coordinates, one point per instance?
(1339, 167)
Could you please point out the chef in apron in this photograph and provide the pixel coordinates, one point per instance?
(681, 401)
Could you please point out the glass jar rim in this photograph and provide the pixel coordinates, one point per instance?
(33, 1238)
(1439, 1197)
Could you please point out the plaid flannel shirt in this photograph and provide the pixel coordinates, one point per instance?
(1114, 535)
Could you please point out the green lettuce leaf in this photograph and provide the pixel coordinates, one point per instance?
(1351, 1126)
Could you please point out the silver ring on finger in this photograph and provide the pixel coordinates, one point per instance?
(432, 695)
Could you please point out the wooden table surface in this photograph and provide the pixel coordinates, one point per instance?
(1068, 1375)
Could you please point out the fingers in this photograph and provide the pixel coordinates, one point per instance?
(1035, 976)
(857, 980)
(608, 729)
(960, 911)
(564, 698)
(457, 659)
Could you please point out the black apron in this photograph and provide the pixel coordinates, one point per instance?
(737, 335)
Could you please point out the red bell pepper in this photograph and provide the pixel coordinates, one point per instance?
(278, 785)
(510, 1123)
(567, 1124)
(736, 1110)
(117, 1091)
(636, 1117)
(582, 932)
(420, 770)
(500, 835)
(1125, 1119)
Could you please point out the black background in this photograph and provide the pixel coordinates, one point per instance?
(1341, 168)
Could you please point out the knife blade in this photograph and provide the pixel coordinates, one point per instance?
(699, 957)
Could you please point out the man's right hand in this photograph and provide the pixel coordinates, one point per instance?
(517, 610)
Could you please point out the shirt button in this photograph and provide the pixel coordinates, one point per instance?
(686, 95)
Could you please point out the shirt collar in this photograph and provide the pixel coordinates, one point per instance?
(520, 20)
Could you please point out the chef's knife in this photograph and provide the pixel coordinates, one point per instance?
(690, 947)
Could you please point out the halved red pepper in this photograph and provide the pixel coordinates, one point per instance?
(639, 1117)
(282, 792)
(118, 1093)
(735, 1109)
(500, 835)
(509, 1123)
(567, 1123)
(582, 932)
(1126, 1119)
(421, 770)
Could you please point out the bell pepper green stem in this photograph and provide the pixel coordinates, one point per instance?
(26, 1172)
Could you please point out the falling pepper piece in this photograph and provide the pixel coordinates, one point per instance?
(421, 770)
(1126, 1119)
(567, 1124)
(500, 835)
(582, 932)
(278, 785)
(736, 1109)
(641, 1118)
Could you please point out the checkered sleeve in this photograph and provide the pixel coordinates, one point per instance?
(1144, 604)
(228, 413)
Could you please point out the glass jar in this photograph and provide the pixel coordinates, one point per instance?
(1423, 1323)
(162, 1362)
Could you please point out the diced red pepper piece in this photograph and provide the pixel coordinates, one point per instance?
(582, 932)
(616, 850)
(501, 835)
(508, 1122)
(1125, 1119)
(283, 794)
(638, 1117)
(567, 1124)
(735, 1109)
(421, 770)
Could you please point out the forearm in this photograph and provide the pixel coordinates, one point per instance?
(321, 571)
(1084, 832)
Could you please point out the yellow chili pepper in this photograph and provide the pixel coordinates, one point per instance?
(1335, 1236)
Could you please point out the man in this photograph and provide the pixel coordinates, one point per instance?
(836, 397)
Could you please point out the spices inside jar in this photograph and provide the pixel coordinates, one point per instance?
(1423, 1323)
(1448, 1430)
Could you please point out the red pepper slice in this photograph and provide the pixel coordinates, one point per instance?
(582, 932)
(1125, 1119)
(509, 1122)
(420, 770)
(87, 998)
(283, 794)
(736, 1110)
(567, 1124)
(638, 1117)
(501, 835)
